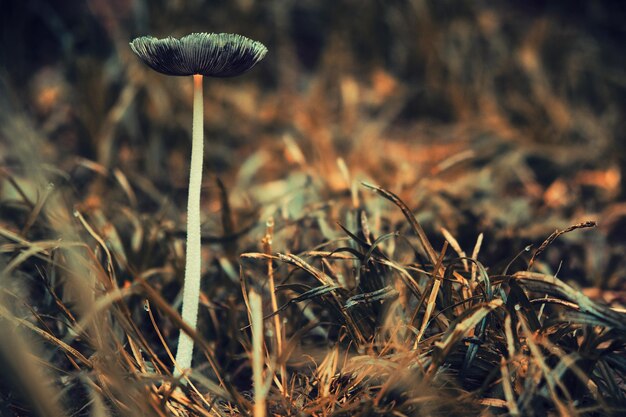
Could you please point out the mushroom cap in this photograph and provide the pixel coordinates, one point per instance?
(210, 54)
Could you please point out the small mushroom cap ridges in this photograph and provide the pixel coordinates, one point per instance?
(210, 54)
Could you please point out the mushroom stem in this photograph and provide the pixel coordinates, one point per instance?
(191, 285)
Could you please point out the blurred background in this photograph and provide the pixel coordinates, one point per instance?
(502, 118)
(494, 121)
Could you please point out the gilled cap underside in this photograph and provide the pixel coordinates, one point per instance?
(210, 54)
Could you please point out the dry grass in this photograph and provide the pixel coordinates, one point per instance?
(430, 293)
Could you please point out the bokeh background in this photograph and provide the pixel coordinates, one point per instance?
(498, 118)
(505, 118)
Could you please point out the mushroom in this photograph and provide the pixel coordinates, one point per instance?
(197, 54)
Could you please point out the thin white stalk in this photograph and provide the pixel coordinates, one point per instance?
(256, 318)
(191, 286)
